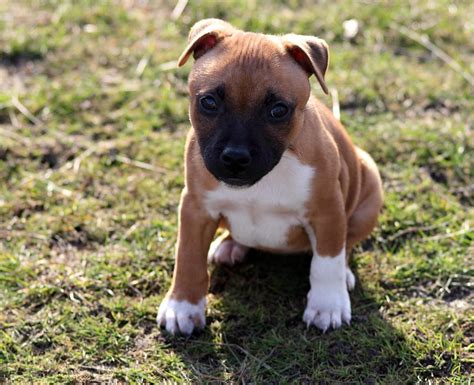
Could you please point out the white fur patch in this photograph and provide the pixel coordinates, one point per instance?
(262, 214)
(328, 299)
(181, 316)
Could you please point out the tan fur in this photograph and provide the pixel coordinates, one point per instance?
(346, 192)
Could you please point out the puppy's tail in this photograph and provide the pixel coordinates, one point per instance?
(336, 110)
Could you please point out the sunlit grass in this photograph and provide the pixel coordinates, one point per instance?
(87, 231)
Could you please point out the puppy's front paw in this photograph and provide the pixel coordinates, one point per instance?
(328, 305)
(226, 251)
(181, 317)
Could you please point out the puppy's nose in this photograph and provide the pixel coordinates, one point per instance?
(235, 158)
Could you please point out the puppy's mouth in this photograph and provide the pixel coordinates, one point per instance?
(241, 181)
(237, 182)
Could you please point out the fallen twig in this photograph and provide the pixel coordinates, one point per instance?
(76, 163)
(137, 163)
(50, 186)
(4, 234)
(438, 52)
(168, 66)
(448, 235)
(21, 107)
(414, 229)
(13, 119)
(131, 230)
(98, 369)
(178, 9)
(15, 136)
(142, 65)
(336, 109)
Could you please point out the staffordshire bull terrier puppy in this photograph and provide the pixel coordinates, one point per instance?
(271, 165)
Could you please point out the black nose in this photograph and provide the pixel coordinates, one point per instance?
(235, 159)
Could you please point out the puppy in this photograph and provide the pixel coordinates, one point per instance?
(271, 165)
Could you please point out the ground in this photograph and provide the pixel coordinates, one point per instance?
(93, 116)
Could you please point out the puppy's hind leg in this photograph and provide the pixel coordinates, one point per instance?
(364, 218)
(224, 250)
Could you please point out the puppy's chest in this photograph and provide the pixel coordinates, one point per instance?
(263, 214)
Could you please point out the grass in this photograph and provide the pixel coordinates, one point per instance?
(87, 233)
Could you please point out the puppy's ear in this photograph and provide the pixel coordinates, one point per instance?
(204, 35)
(311, 53)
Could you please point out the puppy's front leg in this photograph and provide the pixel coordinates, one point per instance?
(182, 310)
(328, 299)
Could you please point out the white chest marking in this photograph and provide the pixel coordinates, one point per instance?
(262, 214)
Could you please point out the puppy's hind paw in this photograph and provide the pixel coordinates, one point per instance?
(227, 252)
(350, 279)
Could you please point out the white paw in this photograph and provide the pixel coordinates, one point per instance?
(226, 252)
(350, 279)
(328, 305)
(181, 317)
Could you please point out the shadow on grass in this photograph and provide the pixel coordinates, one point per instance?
(255, 332)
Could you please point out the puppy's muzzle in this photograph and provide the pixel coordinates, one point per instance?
(235, 159)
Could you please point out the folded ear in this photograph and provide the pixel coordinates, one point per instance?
(203, 36)
(311, 53)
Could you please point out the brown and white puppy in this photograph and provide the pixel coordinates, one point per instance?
(271, 165)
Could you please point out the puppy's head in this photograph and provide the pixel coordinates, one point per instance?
(248, 95)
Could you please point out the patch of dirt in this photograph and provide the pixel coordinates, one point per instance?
(142, 287)
(445, 107)
(355, 102)
(19, 59)
(465, 194)
(16, 70)
(147, 325)
(78, 237)
(54, 155)
(437, 174)
(100, 310)
(458, 293)
(438, 370)
(26, 208)
(41, 345)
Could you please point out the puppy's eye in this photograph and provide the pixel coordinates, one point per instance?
(279, 111)
(208, 103)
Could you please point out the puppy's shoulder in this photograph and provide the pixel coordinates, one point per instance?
(315, 143)
(325, 121)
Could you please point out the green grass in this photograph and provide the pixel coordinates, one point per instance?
(87, 237)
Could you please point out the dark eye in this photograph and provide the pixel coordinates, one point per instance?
(279, 111)
(208, 103)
